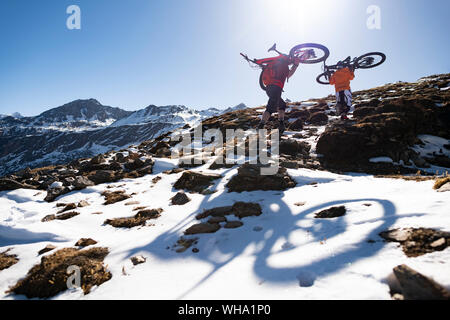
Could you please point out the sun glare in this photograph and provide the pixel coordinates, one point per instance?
(293, 16)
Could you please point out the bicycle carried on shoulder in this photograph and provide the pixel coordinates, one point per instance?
(317, 53)
(366, 61)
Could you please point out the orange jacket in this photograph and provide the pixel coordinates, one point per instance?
(341, 79)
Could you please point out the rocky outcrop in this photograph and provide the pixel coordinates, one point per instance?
(249, 178)
(415, 286)
(53, 270)
(418, 241)
(387, 128)
(195, 181)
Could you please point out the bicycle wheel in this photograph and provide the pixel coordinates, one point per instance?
(323, 78)
(321, 52)
(370, 60)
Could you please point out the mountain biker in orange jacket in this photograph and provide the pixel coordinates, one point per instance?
(341, 80)
(274, 78)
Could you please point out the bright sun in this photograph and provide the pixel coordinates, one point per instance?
(289, 14)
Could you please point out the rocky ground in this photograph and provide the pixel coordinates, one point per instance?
(395, 146)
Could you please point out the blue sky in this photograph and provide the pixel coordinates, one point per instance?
(134, 53)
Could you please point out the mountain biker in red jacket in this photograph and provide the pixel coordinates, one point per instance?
(341, 80)
(274, 78)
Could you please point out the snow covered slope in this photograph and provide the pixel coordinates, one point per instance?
(289, 250)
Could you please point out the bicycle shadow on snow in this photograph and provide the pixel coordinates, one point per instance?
(284, 223)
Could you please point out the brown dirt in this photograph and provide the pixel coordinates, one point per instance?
(418, 241)
(139, 219)
(115, 196)
(7, 260)
(50, 277)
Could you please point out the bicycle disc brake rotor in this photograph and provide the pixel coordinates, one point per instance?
(367, 61)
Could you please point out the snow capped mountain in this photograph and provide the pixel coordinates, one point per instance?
(83, 128)
(176, 115)
(16, 115)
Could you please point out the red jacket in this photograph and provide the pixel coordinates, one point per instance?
(341, 79)
(276, 72)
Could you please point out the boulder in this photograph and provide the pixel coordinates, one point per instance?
(202, 228)
(195, 181)
(180, 198)
(102, 176)
(249, 178)
(332, 212)
(84, 242)
(415, 286)
(10, 184)
(318, 118)
(81, 182)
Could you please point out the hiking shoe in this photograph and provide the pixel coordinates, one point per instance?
(281, 127)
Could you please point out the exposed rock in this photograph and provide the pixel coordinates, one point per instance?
(297, 125)
(47, 248)
(10, 184)
(156, 179)
(249, 178)
(81, 182)
(442, 184)
(293, 147)
(318, 118)
(418, 241)
(7, 260)
(202, 228)
(67, 207)
(83, 203)
(114, 196)
(217, 219)
(50, 277)
(67, 215)
(233, 224)
(97, 159)
(332, 212)
(195, 181)
(138, 219)
(138, 260)
(215, 212)
(54, 193)
(246, 209)
(84, 242)
(48, 217)
(102, 176)
(180, 198)
(183, 244)
(390, 130)
(415, 286)
(131, 203)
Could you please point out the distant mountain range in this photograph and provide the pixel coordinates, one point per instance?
(83, 128)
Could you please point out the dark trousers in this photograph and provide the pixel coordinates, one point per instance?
(275, 102)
